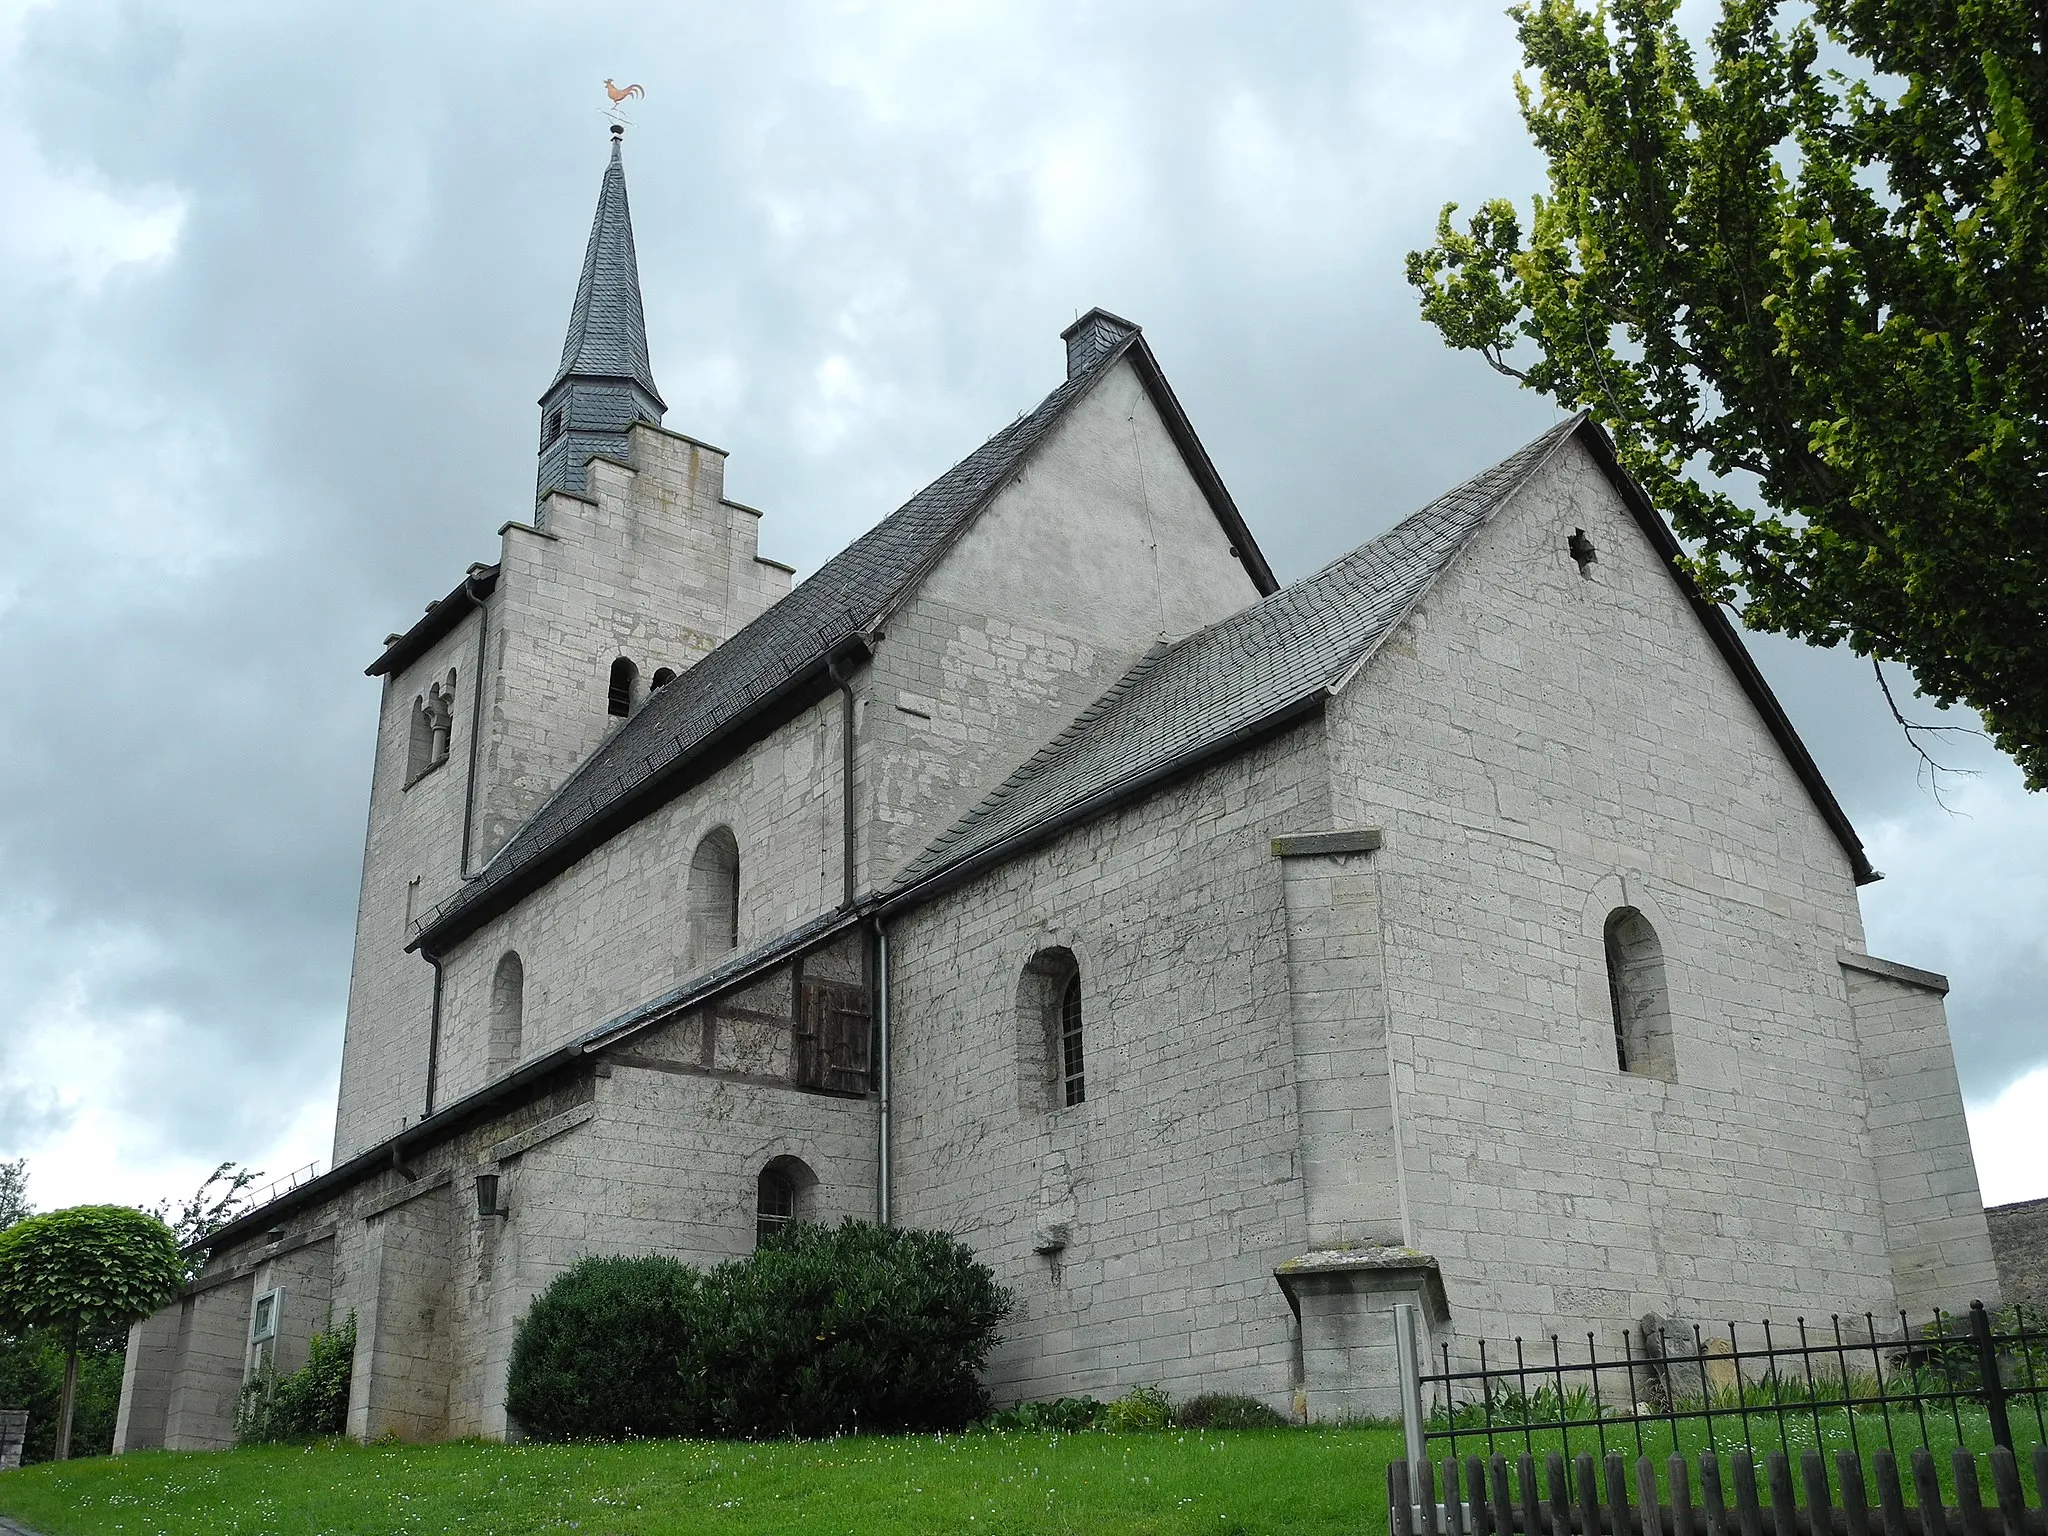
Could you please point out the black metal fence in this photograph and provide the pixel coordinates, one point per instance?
(1968, 1382)
(1489, 1497)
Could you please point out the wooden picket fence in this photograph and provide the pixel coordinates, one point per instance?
(1492, 1496)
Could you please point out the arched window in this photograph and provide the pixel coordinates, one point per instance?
(508, 1014)
(1051, 1054)
(663, 676)
(1635, 988)
(782, 1194)
(433, 718)
(1073, 1073)
(419, 749)
(714, 897)
(619, 697)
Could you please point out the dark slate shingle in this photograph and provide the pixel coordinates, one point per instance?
(607, 326)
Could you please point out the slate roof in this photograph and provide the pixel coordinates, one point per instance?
(607, 326)
(1184, 702)
(775, 658)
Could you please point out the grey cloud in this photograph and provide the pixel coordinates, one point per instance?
(860, 230)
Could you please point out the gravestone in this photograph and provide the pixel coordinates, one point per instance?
(13, 1434)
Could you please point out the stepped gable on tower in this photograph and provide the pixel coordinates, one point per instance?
(605, 382)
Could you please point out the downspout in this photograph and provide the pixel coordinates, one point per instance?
(882, 1169)
(476, 732)
(842, 674)
(433, 1032)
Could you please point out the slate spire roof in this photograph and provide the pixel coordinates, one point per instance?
(607, 327)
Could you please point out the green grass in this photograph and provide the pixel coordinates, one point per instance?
(1166, 1483)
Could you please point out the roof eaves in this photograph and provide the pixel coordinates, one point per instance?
(1732, 650)
(469, 593)
(922, 888)
(1182, 430)
(536, 1076)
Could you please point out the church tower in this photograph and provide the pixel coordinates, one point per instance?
(605, 383)
(630, 568)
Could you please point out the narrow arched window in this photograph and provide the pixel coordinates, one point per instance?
(663, 676)
(1051, 1056)
(714, 896)
(419, 747)
(508, 1014)
(1636, 992)
(1073, 1073)
(619, 697)
(781, 1195)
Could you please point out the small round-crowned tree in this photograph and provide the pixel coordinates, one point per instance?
(91, 1269)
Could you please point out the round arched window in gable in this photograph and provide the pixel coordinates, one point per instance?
(1640, 1000)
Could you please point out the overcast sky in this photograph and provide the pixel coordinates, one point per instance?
(279, 286)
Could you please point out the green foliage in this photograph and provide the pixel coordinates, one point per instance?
(600, 1354)
(1062, 1415)
(32, 1377)
(220, 1199)
(1221, 1410)
(86, 1270)
(1139, 1409)
(822, 1331)
(14, 1204)
(310, 1402)
(1835, 286)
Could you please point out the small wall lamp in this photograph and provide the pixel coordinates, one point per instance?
(487, 1196)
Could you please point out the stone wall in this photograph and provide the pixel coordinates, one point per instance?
(1174, 1187)
(1543, 748)
(1941, 1249)
(2019, 1238)
(1100, 546)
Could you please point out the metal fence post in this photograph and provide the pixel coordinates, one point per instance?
(1408, 1349)
(1987, 1371)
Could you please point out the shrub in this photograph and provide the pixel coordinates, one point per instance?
(600, 1355)
(823, 1330)
(310, 1402)
(1062, 1415)
(1139, 1408)
(1221, 1410)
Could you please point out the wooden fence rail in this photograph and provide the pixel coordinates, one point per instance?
(1493, 1496)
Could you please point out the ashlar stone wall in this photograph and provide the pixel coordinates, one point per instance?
(1174, 1187)
(1100, 546)
(1542, 748)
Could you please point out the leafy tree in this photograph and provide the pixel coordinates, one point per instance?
(219, 1200)
(14, 1204)
(84, 1273)
(1836, 284)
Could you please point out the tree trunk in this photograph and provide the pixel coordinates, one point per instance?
(66, 1402)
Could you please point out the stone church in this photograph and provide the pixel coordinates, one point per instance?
(1221, 960)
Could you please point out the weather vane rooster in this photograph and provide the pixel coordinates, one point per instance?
(620, 95)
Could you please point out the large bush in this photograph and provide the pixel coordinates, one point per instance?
(824, 1330)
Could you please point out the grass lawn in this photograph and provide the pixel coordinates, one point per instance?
(1169, 1482)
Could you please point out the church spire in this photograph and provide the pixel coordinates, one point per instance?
(605, 382)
